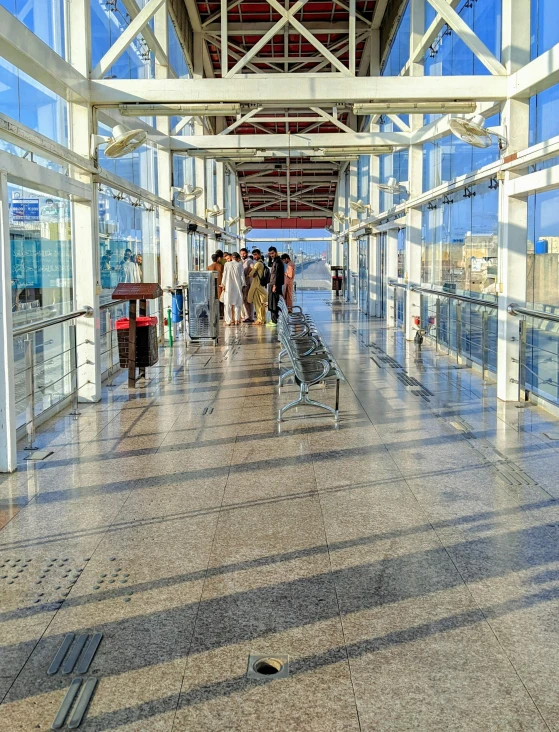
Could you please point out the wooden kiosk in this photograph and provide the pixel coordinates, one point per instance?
(134, 292)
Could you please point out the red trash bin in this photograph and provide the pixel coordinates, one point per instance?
(147, 352)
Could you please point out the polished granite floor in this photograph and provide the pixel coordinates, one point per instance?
(407, 561)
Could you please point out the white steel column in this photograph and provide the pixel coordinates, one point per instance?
(85, 217)
(415, 168)
(164, 173)
(8, 455)
(391, 275)
(513, 213)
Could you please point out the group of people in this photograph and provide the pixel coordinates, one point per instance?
(246, 284)
(129, 269)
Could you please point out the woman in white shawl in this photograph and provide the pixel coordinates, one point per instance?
(232, 282)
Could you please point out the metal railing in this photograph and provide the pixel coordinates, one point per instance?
(539, 356)
(27, 332)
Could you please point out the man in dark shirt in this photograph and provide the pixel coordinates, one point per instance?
(275, 288)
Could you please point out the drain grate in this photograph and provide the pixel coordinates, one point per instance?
(265, 666)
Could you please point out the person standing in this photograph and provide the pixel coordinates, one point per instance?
(233, 281)
(257, 294)
(220, 257)
(215, 266)
(289, 280)
(275, 289)
(248, 264)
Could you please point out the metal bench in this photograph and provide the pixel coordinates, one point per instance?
(311, 361)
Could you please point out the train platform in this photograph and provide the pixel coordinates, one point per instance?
(399, 570)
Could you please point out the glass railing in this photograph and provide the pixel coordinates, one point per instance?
(463, 325)
(539, 351)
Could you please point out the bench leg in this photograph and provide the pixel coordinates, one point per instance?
(304, 399)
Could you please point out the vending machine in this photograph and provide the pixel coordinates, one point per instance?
(203, 306)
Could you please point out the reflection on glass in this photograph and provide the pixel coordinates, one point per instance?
(45, 18)
(197, 245)
(41, 252)
(460, 241)
(542, 293)
(128, 242)
(401, 252)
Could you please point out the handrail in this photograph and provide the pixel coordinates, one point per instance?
(110, 304)
(514, 309)
(40, 325)
(393, 283)
(453, 296)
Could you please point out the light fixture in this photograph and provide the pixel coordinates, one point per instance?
(360, 207)
(232, 222)
(173, 110)
(246, 229)
(121, 143)
(474, 133)
(358, 150)
(414, 108)
(392, 186)
(341, 217)
(215, 211)
(188, 192)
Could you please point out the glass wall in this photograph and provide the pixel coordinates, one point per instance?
(460, 241)
(448, 54)
(394, 165)
(108, 20)
(400, 49)
(138, 167)
(41, 250)
(460, 256)
(32, 104)
(542, 293)
(128, 241)
(44, 17)
(176, 54)
(447, 158)
(197, 251)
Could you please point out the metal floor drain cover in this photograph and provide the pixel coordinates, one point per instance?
(39, 455)
(265, 666)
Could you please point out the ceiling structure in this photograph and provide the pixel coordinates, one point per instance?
(290, 189)
(289, 94)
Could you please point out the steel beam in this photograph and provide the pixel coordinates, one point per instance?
(304, 89)
(294, 142)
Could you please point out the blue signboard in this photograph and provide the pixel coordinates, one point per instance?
(25, 209)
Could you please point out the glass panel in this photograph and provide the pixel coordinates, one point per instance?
(400, 49)
(128, 243)
(363, 274)
(449, 55)
(544, 26)
(401, 252)
(139, 166)
(41, 251)
(108, 20)
(32, 104)
(52, 372)
(176, 54)
(44, 17)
